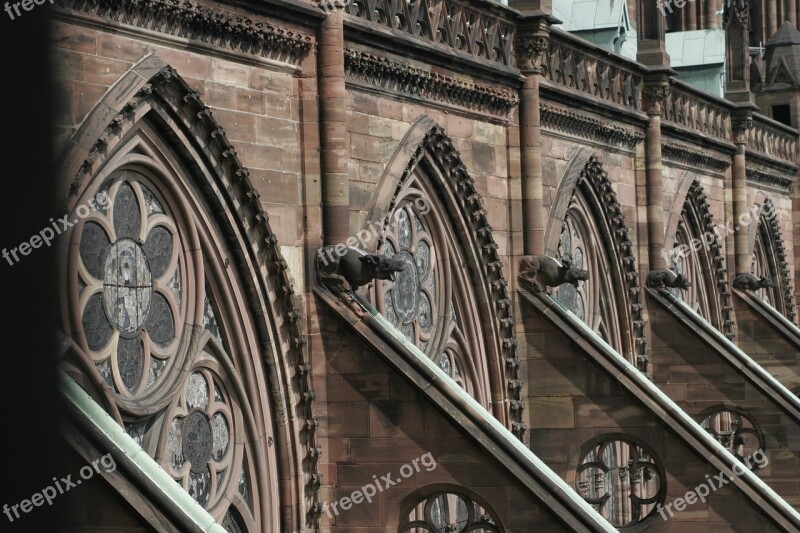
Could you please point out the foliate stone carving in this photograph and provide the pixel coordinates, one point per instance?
(769, 177)
(695, 158)
(530, 52)
(391, 75)
(782, 266)
(653, 98)
(481, 33)
(569, 65)
(210, 25)
(572, 122)
(740, 128)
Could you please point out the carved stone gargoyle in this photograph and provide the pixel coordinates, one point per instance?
(667, 279)
(749, 282)
(354, 268)
(542, 271)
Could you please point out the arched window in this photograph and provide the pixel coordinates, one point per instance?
(734, 431)
(621, 479)
(592, 233)
(696, 254)
(448, 512)
(769, 261)
(170, 294)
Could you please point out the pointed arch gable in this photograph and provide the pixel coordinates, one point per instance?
(427, 167)
(586, 206)
(690, 218)
(153, 135)
(765, 241)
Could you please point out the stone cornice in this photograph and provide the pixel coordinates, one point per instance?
(686, 155)
(561, 119)
(768, 176)
(209, 25)
(390, 75)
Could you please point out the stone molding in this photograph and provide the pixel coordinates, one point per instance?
(694, 158)
(210, 25)
(568, 121)
(386, 74)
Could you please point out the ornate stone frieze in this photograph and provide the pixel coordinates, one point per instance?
(701, 115)
(681, 153)
(568, 65)
(209, 25)
(391, 75)
(769, 139)
(768, 176)
(463, 27)
(560, 119)
(782, 265)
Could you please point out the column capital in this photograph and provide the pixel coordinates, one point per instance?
(655, 91)
(741, 122)
(532, 41)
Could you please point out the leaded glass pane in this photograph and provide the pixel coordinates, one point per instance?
(424, 313)
(151, 203)
(423, 257)
(130, 358)
(175, 444)
(127, 217)
(197, 392)
(406, 288)
(104, 368)
(219, 429)
(158, 248)
(157, 366)
(160, 325)
(403, 229)
(95, 326)
(94, 243)
(197, 441)
(200, 485)
(128, 287)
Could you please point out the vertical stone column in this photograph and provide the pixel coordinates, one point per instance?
(654, 94)
(737, 20)
(742, 121)
(532, 42)
(652, 50)
(335, 186)
(711, 17)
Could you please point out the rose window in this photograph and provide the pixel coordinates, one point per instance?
(735, 432)
(410, 302)
(199, 438)
(129, 287)
(621, 480)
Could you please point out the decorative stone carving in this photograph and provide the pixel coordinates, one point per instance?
(390, 75)
(667, 279)
(698, 114)
(354, 267)
(541, 272)
(530, 52)
(654, 96)
(769, 139)
(210, 25)
(466, 28)
(695, 158)
(769, 177)
(740, 127)
(575, 68)
(575, 123)
(749, 282)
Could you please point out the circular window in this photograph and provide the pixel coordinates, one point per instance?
(621, 479)
(447, 512)
(129, 286)
(735, 432)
